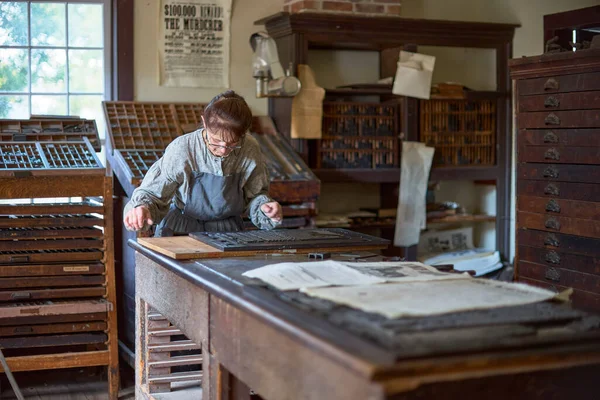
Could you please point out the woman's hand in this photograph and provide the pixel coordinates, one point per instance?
(134, 220)
(272, 210)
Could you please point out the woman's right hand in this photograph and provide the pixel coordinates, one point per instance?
(134, 220)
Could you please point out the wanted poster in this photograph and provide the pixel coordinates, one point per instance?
(194, 42)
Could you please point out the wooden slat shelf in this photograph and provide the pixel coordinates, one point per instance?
(392, 175)
(448, 219)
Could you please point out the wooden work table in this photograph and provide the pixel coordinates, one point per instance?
(288, 346)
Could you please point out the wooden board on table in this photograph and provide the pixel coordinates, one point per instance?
(187, 248)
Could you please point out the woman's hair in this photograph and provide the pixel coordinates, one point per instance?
(228, 116)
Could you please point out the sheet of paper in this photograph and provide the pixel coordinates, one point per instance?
(293, 276)
(411, 217)
(403, 271)
(307, 107)
(413, 299)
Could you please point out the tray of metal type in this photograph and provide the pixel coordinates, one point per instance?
(49, 130)
(286, 239)
(136, 163)
(57, 328)
(149, 125)
(48, 157)
(50, 255)
(73, 339)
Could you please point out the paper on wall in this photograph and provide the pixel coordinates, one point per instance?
(413, 75)
(411, 217)
(414, 299)
(307, 106)
(294, 276)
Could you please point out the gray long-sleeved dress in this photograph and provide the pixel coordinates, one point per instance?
(167, 182)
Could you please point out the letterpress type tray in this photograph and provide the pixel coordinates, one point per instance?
(283, 239)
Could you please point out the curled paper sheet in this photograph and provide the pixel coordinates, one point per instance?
(413, 75)
(307, 106)
(411, 217)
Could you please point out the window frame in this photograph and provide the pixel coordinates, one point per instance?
(107, 51)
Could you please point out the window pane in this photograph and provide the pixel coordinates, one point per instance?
(86, 71)
(48, 105)
(89, 107)
(14, 107)
(48, 24)
(13, 70)
(86, 26)
(13, 23)
(48, 71)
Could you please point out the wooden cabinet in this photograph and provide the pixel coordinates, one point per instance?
(297, 34)
(558, 173)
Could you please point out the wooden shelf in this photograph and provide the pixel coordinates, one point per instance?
(392, 175)
(466, 218)
(463, 218)
(382, 91)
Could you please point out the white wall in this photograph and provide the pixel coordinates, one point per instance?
(244, 13)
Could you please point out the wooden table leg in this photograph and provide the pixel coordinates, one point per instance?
(229, 387)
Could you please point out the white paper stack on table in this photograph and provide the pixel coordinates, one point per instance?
(481, 261)
(396, 289)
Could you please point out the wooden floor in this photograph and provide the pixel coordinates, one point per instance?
(72, 384)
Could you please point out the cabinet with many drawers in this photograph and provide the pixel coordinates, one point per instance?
(557, 107)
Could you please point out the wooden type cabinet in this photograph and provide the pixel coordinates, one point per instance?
(558, 173)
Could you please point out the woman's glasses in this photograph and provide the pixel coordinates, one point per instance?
(209, 140)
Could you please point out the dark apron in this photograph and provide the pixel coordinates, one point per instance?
(213, 204)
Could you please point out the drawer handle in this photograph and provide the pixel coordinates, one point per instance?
(553, 206)
(551, 84)
(551, 172)
(553, 257)
(552, 119)
(551, 101)
(552, 154)
(550, 137)
(552, 240)
(552, 274)
(23, 329)
(20, 295)
(552, 189)
(552, 223)
(19, 259)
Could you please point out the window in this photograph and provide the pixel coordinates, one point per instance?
(55, 58)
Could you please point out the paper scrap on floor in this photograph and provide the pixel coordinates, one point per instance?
(414, 299)
(294, 275)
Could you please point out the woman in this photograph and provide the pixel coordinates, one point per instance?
(207, 178)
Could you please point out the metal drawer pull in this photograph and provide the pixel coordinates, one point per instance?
(553, 206)
(20, 295)
(552, 119)
(551, 84)
(552, 223)
(553, 257)
(552, 154)
(552, 189)
(18, 259)
(550, 137)
(552, 274)
(551, 172)
(552, 240)
(23, 329)
(551, 101)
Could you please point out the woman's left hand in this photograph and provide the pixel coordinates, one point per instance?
(272, 210)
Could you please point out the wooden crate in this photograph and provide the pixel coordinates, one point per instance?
(57, 278)
(463, 132)
(359, 135)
